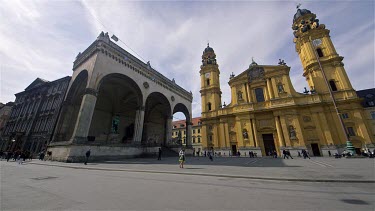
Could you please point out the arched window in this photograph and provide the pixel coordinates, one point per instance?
(333, 85)
(208, 82)
(209, 106)
(320, 52)
(259, 94)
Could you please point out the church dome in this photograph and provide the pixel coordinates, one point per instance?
(300, 13)
(208, 49)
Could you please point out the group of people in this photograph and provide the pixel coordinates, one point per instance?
(18, 155)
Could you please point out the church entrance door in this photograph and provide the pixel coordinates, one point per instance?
(269, 143)
(315, 149)
(234, 150)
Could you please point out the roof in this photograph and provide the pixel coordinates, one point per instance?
(369, 97)
(183, 122)
(37, 82)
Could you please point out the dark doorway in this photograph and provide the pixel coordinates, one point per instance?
(269, 143)
(315, 149)
(234, 150)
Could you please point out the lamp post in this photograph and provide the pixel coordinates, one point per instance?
(349, 145)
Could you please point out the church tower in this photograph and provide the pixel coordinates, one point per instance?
(210, 83)
(312, 43)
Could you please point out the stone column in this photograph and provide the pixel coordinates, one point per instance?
(168, 130)
(188, 134)
(138, 129)
(285, 128)
(85, 113)
(266, 94)
(222, 134)
(279, 132)
(249, 93)
(270, 89)
(254, 130)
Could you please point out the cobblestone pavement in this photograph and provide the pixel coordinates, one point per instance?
(42, 187)
(316, 168)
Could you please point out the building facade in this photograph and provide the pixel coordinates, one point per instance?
(5, 110)
(179, 133)
(34, 115)
(368, 103)
(266, 114)
(117, 106)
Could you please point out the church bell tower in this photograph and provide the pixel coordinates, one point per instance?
(314, 45)
(210, 83)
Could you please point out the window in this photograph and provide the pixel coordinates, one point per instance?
(193, 140)
(199, 123)
(184, 132)
(259, 94)
(174, 126)
(182, 125)
(193, 131)
(371, 103)
(373, 115)
(199, 130)
(351, 131)
(208, 82)
(209, 106)
(333, 85)
(345, 116)
(320, 52)
(199, 140)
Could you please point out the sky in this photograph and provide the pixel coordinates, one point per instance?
(42, 38)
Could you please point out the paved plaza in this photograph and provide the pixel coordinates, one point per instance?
(222, 184)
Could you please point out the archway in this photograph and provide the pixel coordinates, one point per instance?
(118, 100)
(70, 109)
(156, 122)
(182, 109)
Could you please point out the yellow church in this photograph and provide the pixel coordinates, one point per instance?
(266, 114)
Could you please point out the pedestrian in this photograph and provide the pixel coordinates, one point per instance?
(210, 156)
(19, 160)
(181, 158)
(159, 156)
(284, 154)
(88, 153)
(288, 153)
(205, 153)
(329, 153)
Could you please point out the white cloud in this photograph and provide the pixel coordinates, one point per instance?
(46, 37)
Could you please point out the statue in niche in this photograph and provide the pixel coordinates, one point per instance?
(239, 95)
(280, 88)
(245, 134)
(292, 132)
(115, 123)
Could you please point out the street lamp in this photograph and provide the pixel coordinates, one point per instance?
(349, 145)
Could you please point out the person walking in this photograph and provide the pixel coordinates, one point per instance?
(284, 154)
(181, 158)
(288, 154)
(159, 155)
(88, 153)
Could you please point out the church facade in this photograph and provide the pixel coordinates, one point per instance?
(266, 114)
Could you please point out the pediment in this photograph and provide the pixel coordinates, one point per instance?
(37, 82)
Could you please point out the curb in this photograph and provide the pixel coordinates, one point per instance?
(212, 175)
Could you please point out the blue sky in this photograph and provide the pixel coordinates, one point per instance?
(42, 38)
